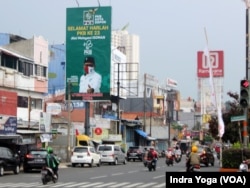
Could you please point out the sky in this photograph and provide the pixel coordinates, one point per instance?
(171, 33)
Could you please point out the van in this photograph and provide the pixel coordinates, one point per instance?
(84, 140)
(111, 154)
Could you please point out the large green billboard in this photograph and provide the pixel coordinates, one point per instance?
(88, 50)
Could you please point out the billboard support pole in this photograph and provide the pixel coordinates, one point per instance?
(87, 112)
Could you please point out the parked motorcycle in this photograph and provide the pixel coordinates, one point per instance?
(243, 166)
(48, 175)
(151, 164)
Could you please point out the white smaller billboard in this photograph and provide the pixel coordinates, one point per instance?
(171, 83)
(53, 108)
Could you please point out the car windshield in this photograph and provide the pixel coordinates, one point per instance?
(134, 149)
(43, 153)
(105, 148)
(81, 150)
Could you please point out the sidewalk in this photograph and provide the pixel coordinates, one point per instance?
(64, 165)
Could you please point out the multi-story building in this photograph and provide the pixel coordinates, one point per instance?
(129, 44)
(24, 82)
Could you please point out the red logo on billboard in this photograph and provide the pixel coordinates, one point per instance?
(98, 131)
(216, 62)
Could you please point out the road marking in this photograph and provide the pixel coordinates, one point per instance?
(106, 184)
(147, 185)
(120, 184)
(92, 184)
(160, 185)
(156, 177)
(117, 174)
(132, 185)
(133, 171)
(77, 184)
(85, 185)
(98, 177)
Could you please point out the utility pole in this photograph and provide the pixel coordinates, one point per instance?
(144, 119)
(245, 123)
(69, 120)
(118, 98)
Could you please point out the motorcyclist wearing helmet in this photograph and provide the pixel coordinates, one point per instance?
(152, 155)
(177, 151)
(193, 158)
(52, 161)
(170, 153)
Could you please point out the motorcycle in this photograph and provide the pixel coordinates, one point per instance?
(151, 164)
(48, 175)
(169, 160)
(177, 158)
(243, 166)
(194, 168)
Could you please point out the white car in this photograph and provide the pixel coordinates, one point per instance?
(82, 155)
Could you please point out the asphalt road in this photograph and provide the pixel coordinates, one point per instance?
(133, 174)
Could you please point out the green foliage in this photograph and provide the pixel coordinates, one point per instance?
(196, 138)
(231, 158)
(177, 126)
(236, 145)
(232, 129)
(208, 138)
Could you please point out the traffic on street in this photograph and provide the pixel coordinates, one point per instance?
(130, 175)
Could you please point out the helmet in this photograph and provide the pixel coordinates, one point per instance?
(194, 149)
(50, 150)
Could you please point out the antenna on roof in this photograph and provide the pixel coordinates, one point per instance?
(125, 27)
(77, 3)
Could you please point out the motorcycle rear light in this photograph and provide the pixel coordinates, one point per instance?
(29, 156)
(197, 166)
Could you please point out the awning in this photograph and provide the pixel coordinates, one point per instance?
(142, 133)
(96, 141)
(111, 140)
(150, 138)
(10, 136)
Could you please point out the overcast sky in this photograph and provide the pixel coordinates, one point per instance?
(171, 32)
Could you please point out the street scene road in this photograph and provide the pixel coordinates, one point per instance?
(131, 175)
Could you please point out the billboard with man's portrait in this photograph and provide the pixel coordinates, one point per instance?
(88, 51)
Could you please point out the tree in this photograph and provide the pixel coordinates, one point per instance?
(231, 128)
(177, 127)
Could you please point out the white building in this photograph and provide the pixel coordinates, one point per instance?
(129, 44)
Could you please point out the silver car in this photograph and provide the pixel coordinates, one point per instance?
(112, 154)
